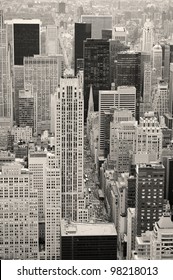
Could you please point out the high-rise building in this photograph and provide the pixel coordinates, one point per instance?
(81, 33)
(157, 60)
(123, 98)
(52, 208)
(122, 143)
(148, 36)
(19, 214)
(165, 61)
(129, 73)
(52, 40)
(115, 46)
(168, 192)
(130, 231)
(5, 73)
(24, 38)
(96, 70)
(147, 88)
(43, 73)
(85, 241)
(171, 90)
(149, 195)
(162, 239)
(98, 23)
(69, 143)
(26, 108)
(149, 138)
(160, 99)
(18, 84)
(37, 165)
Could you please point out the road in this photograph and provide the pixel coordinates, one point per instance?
(89, 170)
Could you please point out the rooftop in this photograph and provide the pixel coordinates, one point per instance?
(89, 229)
(165, 222)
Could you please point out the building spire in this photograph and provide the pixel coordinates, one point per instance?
(90, 101)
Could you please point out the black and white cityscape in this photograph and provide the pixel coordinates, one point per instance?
(86, 130)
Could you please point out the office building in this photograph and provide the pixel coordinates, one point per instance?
(85, 241)
(171, 90)
(96, 70)
(52, 208)
(119, 34)
(157, 61)
(37, 165)
(168, 164)
(19, 214)
(26, 108)
(129, 73)
(52, 40)
(149, 195)
(148, 36)
(5, 127)
(18, 72)
(123, 98)
(81, 33)
(69, 143)
(5, 73)
(98, 23)
(147, 88)
(162, 239)
(149, 139)
(43, 73)
(24, 38)
(115, 46)
(122, 143)
(165, 61)
(130, 232)
(160, 98)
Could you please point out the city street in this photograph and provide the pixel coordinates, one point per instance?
(90, 179)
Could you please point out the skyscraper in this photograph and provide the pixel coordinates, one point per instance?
(98, 23)
(82, 32)
(69, 143)
(148, 36)
(5, 73)
(149, 195)
(129, 73)
(96, 70)
(52, 40)
(19, 214)
(123, 98)
(149, 138)
(171, 90)
(147, 88)
(26, 107)
(157, 60)
(26, 39)
(160, 98)
(43, 73)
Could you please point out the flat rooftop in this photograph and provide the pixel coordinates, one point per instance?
(87, 229)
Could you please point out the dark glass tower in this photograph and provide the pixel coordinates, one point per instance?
(96, 70)
(26, 41)
(82, 32)
(129, 73)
